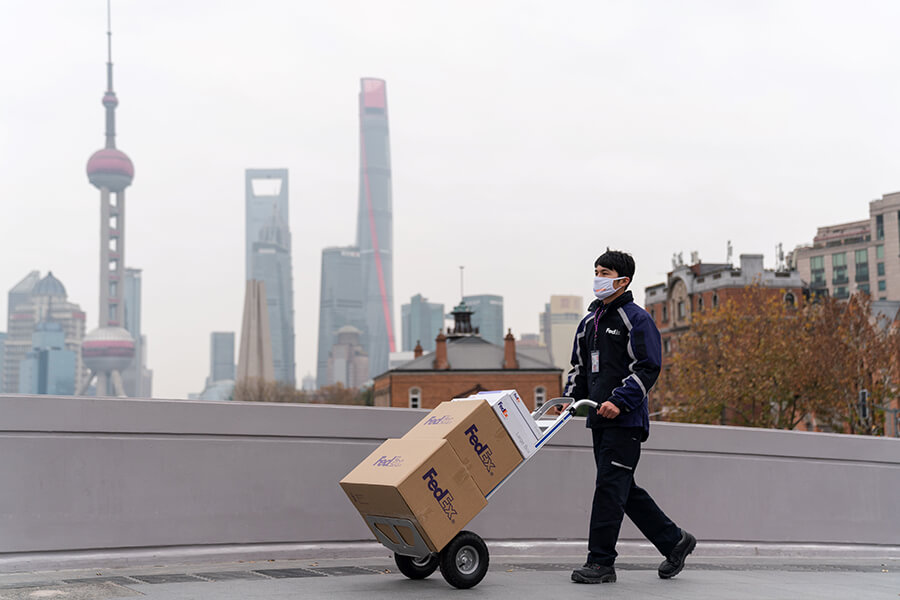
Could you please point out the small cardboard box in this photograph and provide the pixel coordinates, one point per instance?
(516, 418)
(417, 479)
(476, 435)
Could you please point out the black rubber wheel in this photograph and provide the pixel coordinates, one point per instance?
(464, 561)
(417, 568)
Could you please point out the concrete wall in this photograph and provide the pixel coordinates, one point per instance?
(86, 473)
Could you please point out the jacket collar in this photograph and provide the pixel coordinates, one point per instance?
(620, 301)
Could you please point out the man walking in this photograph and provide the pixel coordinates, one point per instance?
(615, 361)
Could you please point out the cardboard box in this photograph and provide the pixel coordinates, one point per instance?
(476, 435)
(516, 418)
(421, 480)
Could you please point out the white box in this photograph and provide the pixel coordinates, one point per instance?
(516, 418)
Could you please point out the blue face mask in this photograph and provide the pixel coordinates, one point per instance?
(603, 286)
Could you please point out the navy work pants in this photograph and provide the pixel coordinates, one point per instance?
(616, 452)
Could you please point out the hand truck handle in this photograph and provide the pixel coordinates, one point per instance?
(573, 406)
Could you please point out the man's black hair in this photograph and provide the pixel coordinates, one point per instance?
(620, 262)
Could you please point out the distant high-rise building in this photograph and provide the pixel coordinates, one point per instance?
(21, 293)
(374, 228)
(308, 383)
(266, 195)
(861, 256)
(48, 368)
(340, 302)
(2, 357)
(269, 259)
(421, 321)
(221, 356)
(558, 325)
(136, 378)
(488, 316)
(255, 356)
(45, 301)
(348, 363)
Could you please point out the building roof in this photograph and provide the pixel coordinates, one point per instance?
(701, 269)
(538, 353)
(27, 284)
(886, 311)
(49, 286)
(472, 353)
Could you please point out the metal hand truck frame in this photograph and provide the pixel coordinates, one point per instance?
(464, 560)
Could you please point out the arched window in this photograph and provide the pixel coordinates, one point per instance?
(540, 396)
(700, 303)
(715, 300)
(790, 300)
(415, 397)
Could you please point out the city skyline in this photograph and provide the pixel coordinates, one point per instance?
(523, 143)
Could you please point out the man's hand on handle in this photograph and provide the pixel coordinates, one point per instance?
(608, 410)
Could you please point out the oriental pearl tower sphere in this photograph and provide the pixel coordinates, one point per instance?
(109, 349)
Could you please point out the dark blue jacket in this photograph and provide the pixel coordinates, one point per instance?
(629, 356)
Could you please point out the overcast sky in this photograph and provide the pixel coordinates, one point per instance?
(526, 137)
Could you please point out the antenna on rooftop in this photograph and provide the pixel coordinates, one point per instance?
(461, 294)
(779, 258)
(728, 253)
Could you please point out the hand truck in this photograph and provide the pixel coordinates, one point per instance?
(464, 560)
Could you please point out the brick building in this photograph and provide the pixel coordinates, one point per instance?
(693, 288)
(462, 364)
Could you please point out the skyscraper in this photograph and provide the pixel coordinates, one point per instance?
(266, 196)
(348, 364)
(340, 302)
(137, 378)
(374, 227)
(488, 316)
(221, 356)
(558, 325)
(2, 358)
(45, 301)
(21, 293)
(421, 321)
(255, 355)
(48, 368)
(268, 259)
(109, 349)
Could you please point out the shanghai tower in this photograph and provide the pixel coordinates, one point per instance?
(374, 227)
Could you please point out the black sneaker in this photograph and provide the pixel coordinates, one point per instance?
(674, 563)
(593, 573)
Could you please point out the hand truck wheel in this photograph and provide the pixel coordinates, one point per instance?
(417, 568)
(464, 561)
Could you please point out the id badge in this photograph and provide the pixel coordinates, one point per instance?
(595, 361)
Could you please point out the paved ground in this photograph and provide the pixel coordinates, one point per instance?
(511, 577)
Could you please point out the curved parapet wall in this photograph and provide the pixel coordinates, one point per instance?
(96, 473)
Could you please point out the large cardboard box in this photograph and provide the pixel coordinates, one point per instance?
(421, 480)
(516, 418)
(476, 435)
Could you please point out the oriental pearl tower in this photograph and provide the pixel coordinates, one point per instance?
(109, 349)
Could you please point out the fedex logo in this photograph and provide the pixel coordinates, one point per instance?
(443, 496)
(482, 450)
(384, 461)
(445, 420)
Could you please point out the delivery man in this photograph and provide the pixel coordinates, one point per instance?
(615, 361)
